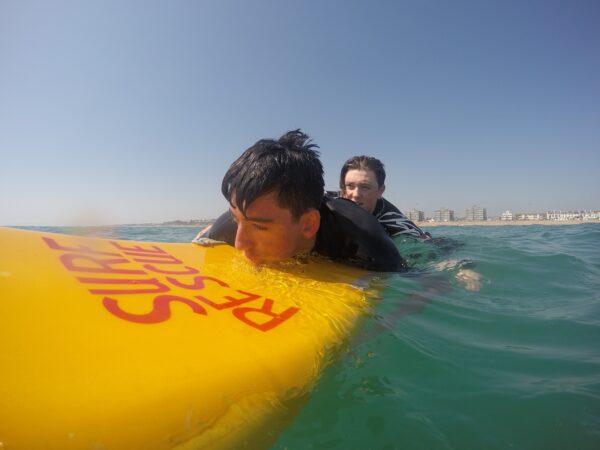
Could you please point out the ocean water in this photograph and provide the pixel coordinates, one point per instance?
(510, 363)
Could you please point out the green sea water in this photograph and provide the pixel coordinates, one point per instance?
(513, 365)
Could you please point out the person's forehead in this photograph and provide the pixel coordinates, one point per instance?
(361, 175)
(265, 207)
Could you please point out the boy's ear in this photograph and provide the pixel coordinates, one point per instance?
(381, 189)
(311, 221)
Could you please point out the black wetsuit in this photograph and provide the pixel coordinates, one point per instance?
(347, 234)
(396, 223)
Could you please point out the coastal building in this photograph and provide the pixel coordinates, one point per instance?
(334, 194)
(572, 215)
(506, 215)
(531, 216)
(415, 215)
(559, 215)
(475, 213)
(443, 215)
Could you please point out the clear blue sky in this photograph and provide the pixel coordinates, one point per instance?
(131, 111)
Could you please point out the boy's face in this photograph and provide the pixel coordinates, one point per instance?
(269, 233)
(362, 188)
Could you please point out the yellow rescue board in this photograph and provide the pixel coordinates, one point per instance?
(108, 344)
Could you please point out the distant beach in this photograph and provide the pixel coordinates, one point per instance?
(460, 223)
(456, 223)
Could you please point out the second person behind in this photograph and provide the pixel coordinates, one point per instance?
(362, 180)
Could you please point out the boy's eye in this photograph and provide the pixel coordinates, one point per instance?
(259, 226)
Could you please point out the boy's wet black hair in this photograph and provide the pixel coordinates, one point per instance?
(289, 165)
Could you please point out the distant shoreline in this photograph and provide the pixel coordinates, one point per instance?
(425, 224)
(467, 223)
(456, 223)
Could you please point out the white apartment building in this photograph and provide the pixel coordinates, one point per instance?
(475, 213)
(531, 216)
(443, 215)
(415, 215)
(573, 215)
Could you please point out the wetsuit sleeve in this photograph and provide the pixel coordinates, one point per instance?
(351, 235)
(224, 229)
(395, 223)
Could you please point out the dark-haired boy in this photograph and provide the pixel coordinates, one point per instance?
(278, 210)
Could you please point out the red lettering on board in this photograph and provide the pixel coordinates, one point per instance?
(188, 270)
(198, 282)
(160, 309)
(159, 259)
(76, 262)
(266, 309)
(157, 289)
(50, 242)
(79, 259)
(233, 302)
(138, 248)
